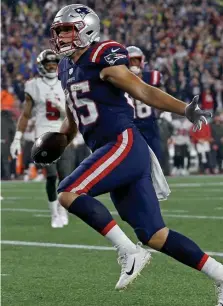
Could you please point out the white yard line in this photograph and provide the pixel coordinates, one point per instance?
(196, 184)
(193, 217)
(183, 216)
(24, 210)
(194, 199)
(42, 216)
(115, 213)
(7, 187)
(78, 246)
(24, 198)
(45, 210)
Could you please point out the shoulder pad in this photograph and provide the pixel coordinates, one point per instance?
(109, 53)
(62, 66)
(30, 86)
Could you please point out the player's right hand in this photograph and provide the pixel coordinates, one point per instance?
(15, 148)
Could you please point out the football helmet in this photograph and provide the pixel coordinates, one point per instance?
(85, 25)
(136, 52)
(44, 57)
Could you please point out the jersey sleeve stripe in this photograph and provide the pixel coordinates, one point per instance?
(96, 53)
(102, 167)
(155, 78)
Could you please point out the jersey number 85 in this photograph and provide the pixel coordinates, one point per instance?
(86, 106)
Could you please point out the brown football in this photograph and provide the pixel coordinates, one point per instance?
(48, 147)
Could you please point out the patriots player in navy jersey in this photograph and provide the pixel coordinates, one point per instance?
(145, 117)
(96, 78)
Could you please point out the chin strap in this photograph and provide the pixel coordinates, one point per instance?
(136, 70)
(51, 75)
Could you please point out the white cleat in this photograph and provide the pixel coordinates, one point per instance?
(132, 265)
(26, 178)
(56, 222)
(219, 289)
(39, 178)
(63, 214)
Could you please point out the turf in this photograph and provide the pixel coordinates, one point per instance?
(47, 276)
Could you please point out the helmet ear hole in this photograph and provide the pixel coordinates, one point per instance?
(89, 32)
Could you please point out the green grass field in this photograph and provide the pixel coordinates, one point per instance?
(60, 274)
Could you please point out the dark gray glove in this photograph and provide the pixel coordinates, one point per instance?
(45, 165)
(196, 115)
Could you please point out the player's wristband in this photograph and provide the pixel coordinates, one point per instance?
(18, 135)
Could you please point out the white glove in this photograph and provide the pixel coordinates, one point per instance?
(15, 147)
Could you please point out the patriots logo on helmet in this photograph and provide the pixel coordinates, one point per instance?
(113, 57)
(83, 11)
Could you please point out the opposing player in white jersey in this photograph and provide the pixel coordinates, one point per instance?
(46, 96)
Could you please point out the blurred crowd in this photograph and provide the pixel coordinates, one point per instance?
(181, 39)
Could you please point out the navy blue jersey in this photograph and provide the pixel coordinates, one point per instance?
(145, 117)
(101, 110)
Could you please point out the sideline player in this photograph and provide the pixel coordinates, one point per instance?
(145, 117)
(45, 95)
(95, 79)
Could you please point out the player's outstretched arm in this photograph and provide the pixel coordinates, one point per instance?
(26, 114)
(15, 147)
(121, 77)
(69, 127)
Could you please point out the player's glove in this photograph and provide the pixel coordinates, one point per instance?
(196, 115)
(47, 164)
(15, 148)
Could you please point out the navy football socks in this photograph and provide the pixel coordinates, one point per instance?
(92, 212)
(184, 250)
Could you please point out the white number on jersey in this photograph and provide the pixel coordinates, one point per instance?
(89, 104)
(52, 112)
(142, 110)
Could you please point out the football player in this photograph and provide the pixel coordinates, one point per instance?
(46, 96)
(145, 117)
(95, 78)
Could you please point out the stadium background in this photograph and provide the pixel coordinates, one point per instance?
(42, 266)
(181, 39)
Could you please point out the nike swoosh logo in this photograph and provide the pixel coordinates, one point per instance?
(112, 50)
(133, 266)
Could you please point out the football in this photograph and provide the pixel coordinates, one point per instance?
(48, 147)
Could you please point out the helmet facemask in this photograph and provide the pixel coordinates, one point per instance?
(136, 53)
(45, 57)
(74, 27)
(72, 39)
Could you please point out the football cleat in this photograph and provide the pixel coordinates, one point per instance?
(56, 222)
(131, 266)
(40, 177)
(26, 178)
(219, 291)
(63, 214)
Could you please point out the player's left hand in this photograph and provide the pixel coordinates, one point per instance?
(196, 115)
(46, 165)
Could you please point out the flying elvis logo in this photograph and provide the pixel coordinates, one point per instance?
(83, 11)
(113, 57)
